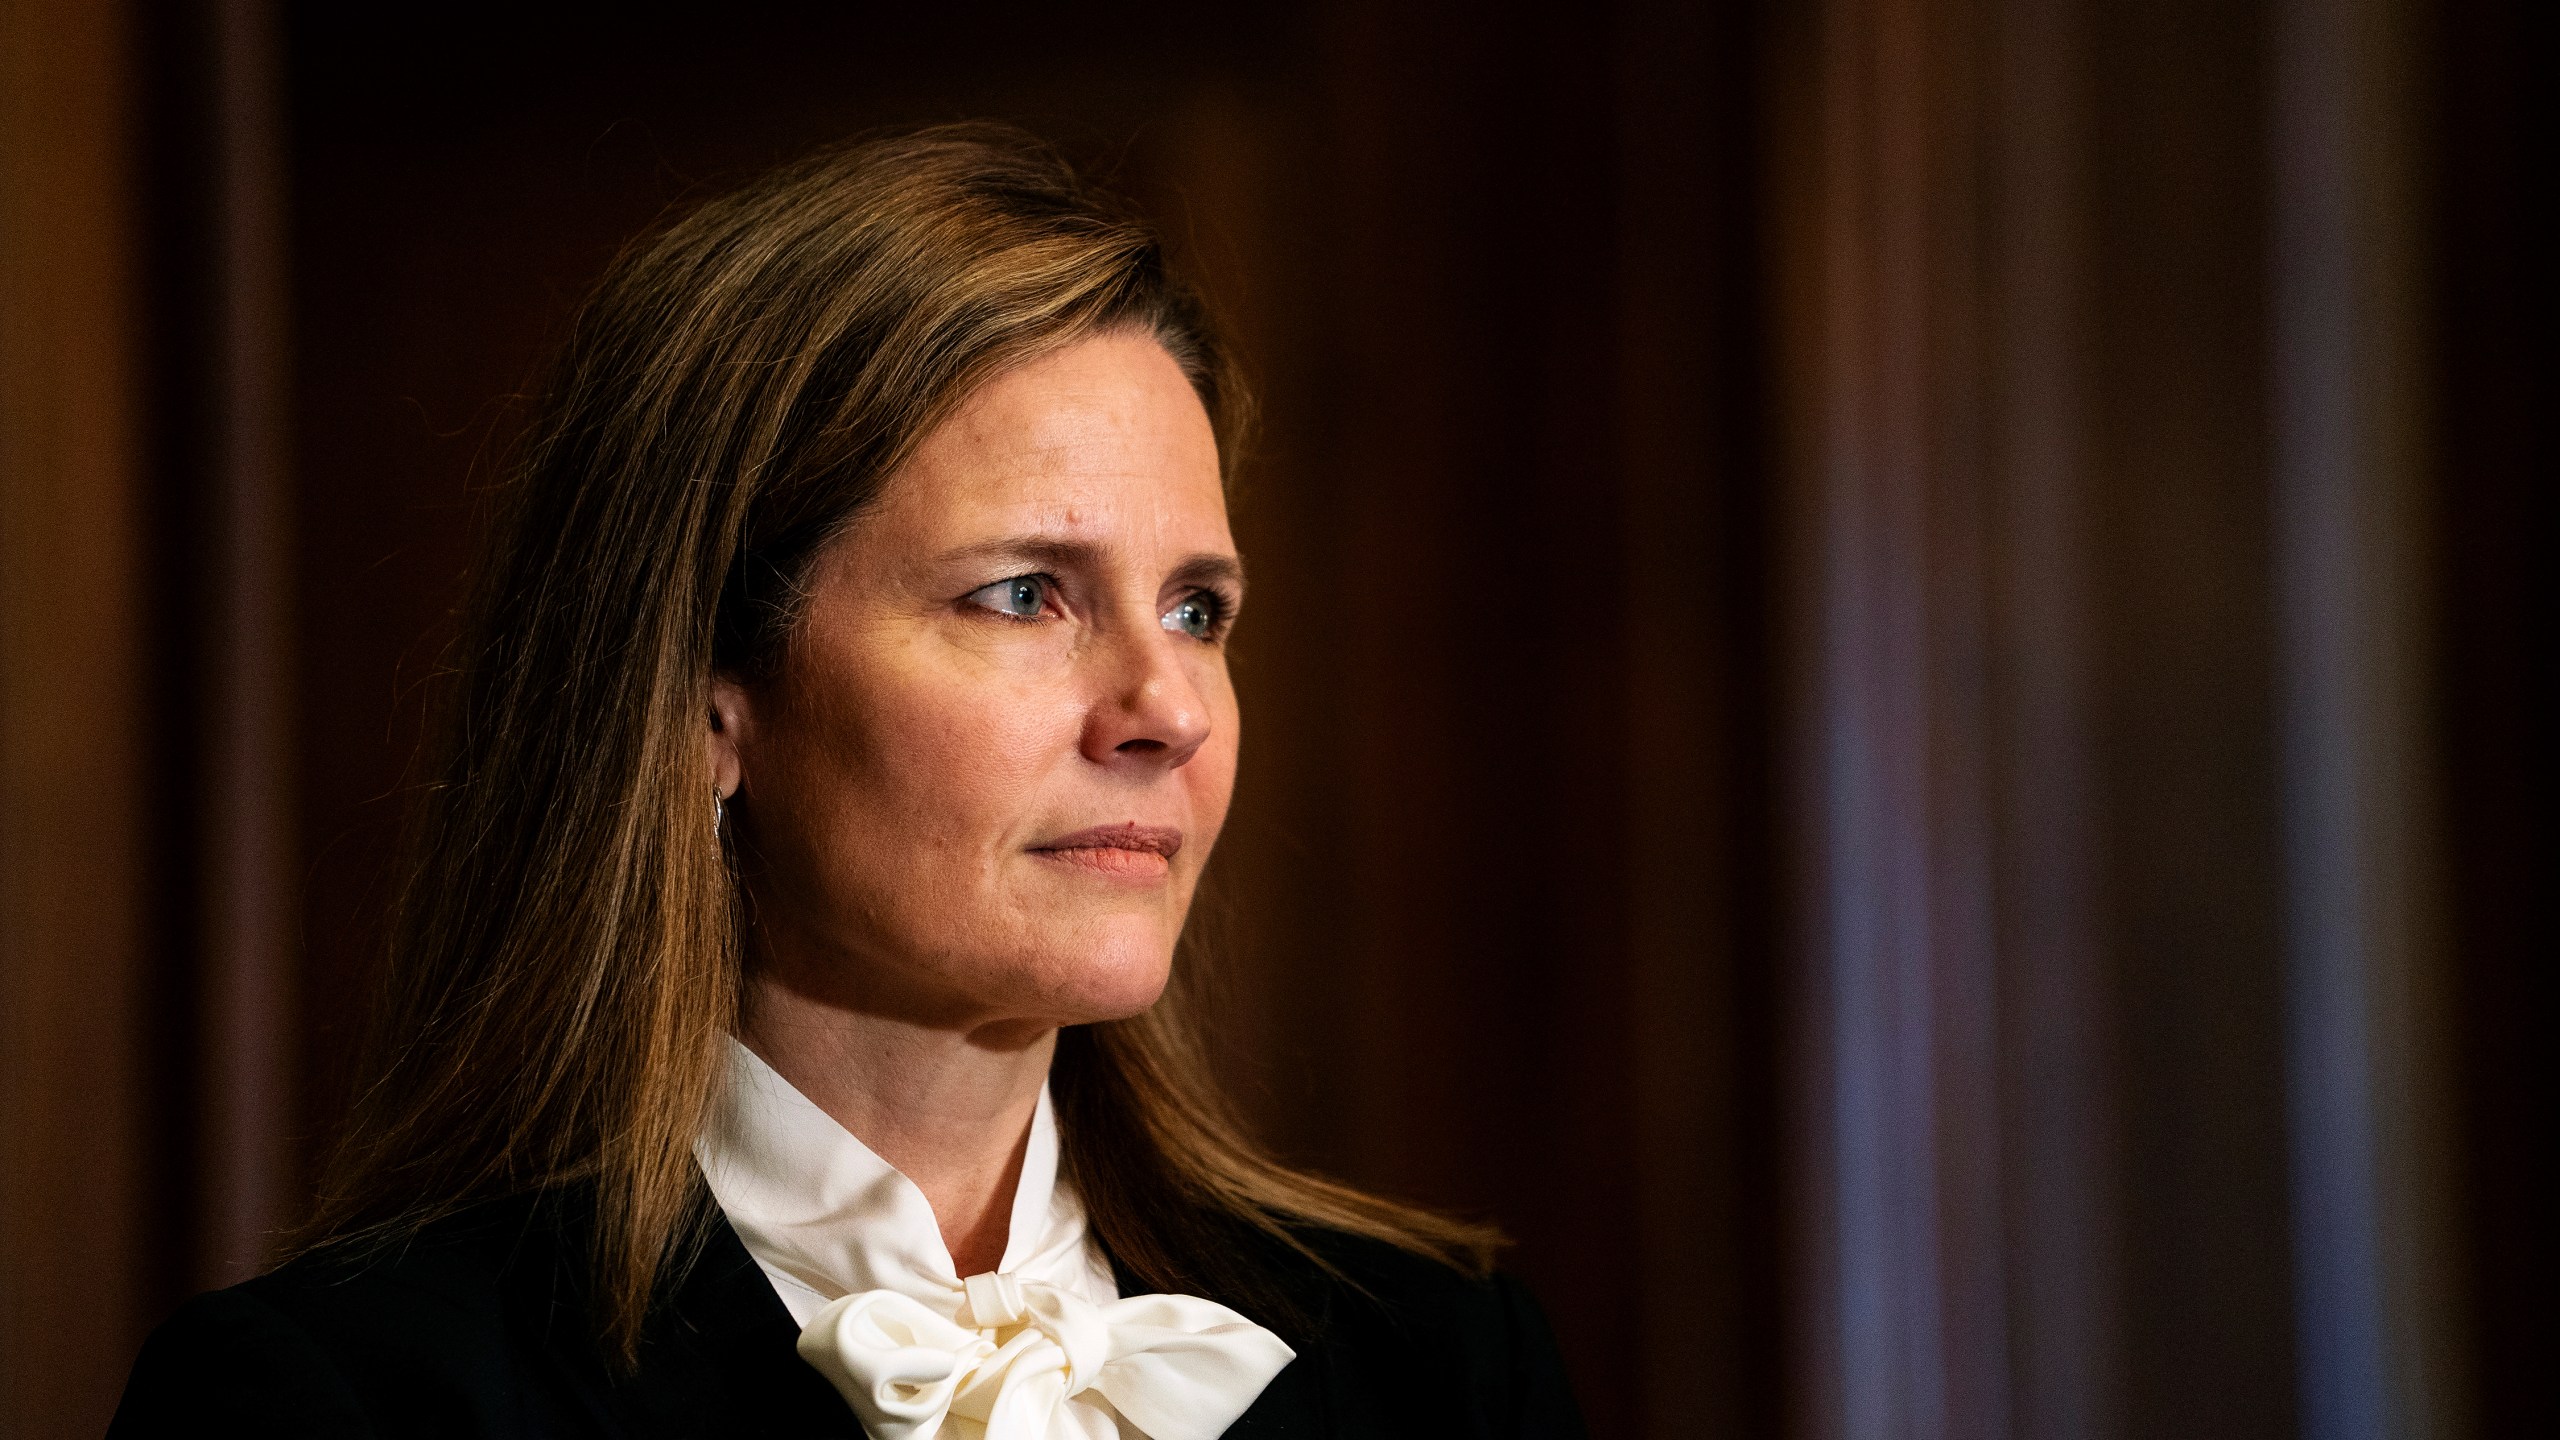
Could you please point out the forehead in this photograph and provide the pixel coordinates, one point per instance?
(1104, 439)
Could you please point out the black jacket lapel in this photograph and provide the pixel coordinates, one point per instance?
(718, 1360)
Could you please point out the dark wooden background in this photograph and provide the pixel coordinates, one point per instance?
(1785, 728)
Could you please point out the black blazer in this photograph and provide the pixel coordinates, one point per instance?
(478, 1328)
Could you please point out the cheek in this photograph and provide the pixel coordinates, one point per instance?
(935, 761)
(1210, 778)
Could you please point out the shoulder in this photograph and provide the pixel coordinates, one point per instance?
(421, 1337)
(1406, 1344)
(1369, 1283)
(233, 1360)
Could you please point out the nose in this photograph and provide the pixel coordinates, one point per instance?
(1148, 711)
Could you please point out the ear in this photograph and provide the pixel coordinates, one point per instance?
(725, 734)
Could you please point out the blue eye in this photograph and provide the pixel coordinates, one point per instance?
(1023, 596)
(1197, 616)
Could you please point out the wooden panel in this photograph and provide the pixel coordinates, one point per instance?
(2493, 231)
(72, 757)
(2182, 574)
(227, 929)
(249, 930)
(2380, 1347)
(2022, 267)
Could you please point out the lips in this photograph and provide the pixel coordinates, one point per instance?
(1136, 852)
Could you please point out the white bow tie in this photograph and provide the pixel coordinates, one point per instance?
(1043, 1350)
(1174, 1367)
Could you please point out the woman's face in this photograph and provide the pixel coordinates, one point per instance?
(981, 788)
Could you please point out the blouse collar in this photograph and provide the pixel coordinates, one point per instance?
(825, 1216)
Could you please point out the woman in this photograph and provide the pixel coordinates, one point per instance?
(774, 1044)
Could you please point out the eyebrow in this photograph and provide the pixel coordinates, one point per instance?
(1203, 568)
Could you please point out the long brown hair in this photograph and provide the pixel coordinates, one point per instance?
(567, 952)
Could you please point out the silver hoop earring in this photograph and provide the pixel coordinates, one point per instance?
(719, 810)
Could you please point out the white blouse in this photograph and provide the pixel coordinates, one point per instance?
(1041, 1348)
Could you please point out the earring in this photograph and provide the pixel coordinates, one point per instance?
(719, 810)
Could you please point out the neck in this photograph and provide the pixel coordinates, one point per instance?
(950, 1108)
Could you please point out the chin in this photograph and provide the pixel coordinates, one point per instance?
(1113, 980)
